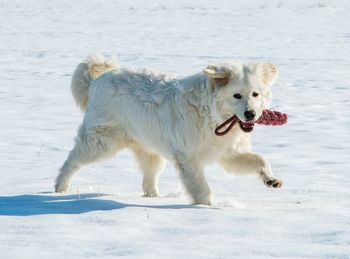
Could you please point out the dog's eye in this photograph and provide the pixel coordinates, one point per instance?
(237, 96)
(255, 94)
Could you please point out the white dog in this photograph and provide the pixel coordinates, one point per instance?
(158, 117)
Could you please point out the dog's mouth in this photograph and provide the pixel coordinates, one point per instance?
(246, 126)
(227, 125)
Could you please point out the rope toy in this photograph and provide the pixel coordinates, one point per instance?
(273, 118)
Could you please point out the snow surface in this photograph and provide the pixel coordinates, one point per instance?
(104, 215)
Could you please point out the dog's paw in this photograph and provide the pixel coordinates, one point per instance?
(205, 200)
(274, 183)
(61, 188)
(150, 195)
(207, 203)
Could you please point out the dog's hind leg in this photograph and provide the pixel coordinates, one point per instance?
(91, 145)
(250, 164)
(151, 165)
(192, 175)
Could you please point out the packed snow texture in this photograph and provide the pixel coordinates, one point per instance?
(104, 215)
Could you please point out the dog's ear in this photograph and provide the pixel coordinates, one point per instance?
(111, 63)
(220, 74)
(269, 73)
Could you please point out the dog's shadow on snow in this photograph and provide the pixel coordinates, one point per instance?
(44, 204)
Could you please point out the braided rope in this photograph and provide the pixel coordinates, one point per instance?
(269, 118)
(273, 118)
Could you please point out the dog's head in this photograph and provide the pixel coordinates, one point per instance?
(242, 89)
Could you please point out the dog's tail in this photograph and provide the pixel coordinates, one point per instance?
(91, 68)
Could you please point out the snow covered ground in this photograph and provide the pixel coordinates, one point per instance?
(104, 215)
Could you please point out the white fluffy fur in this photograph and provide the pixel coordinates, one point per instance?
(160, 117)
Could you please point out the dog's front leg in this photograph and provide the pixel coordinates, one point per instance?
(253, 164)
(192, 175)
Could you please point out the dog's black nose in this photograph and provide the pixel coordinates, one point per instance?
(249, 115)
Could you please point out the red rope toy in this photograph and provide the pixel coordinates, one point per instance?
(268, 118)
